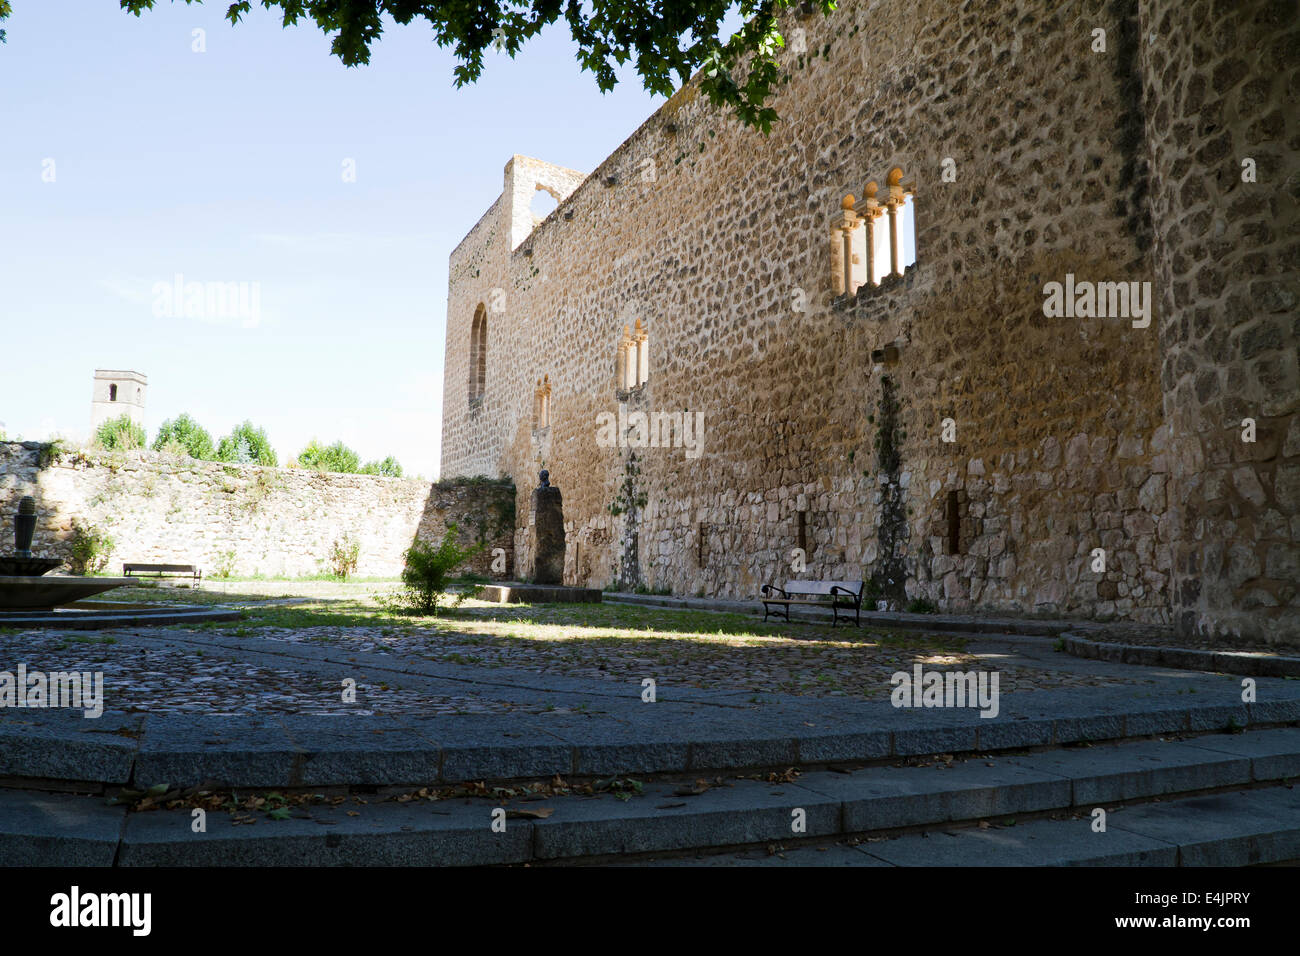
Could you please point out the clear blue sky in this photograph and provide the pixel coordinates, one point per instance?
(226, 166)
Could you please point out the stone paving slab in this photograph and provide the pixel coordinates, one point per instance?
(1036, 843)
(881, 798)
(744, 812)
(1222, 829)
(1101, 775)
(446, 833)
(82, 619)
(50, 829)
(360, 752)
(1231, 662)
(1273, 754)
(498, 748)
(63, 745)
(230, 751)
(837, 855)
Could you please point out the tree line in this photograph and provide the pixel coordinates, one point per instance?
(245, 445)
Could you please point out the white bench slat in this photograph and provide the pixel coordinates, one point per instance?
(821, 587)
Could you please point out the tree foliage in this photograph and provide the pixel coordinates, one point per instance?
(247, 445)
(184, 432)
(667, 42)
(390, 467)
(335, 457)
(120, 434)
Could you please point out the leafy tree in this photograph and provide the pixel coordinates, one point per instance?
(188, 434)
(120, 434)
(389, 468)
(247, 445)
(667, 42)
(335, 457)
(6, 8)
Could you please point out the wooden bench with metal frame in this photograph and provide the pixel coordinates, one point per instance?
(843, 596)
(163, 570)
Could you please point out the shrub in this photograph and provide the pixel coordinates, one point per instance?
(922, 606)
(120, 434)
(335, 457)
(389, 468)
(343, 557)
(225, 567)
(90, 548)
(50, 452)
(247, 445)
(428, 570)
(185, 432)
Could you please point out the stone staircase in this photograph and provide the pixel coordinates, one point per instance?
(1222, 799)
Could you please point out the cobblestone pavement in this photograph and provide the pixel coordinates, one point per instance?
(166, 678)
(817, 666)
(329, 623)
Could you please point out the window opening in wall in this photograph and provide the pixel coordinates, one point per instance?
(542, 403)
(543, 204)
(874, 237)
(112, 393)
(803, 532)
(902, 221)
(633, 365)
(478, 353)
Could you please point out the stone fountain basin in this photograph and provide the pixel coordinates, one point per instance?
(24, 593)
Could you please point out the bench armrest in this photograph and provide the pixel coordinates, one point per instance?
(770, 589)
(854, 595)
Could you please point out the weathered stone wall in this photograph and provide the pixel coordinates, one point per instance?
(823, 413)
(1221, 84)
(247, 519)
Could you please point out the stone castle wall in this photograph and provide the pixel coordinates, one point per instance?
(244, 518)
(1221, 84)
(823, 413)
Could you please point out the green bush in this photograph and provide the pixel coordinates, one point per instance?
(389, 467)
(335, 457)
(429, 569)
(247, 445)
(922, 606)
(89, 547)
(120, 434)
(225, 565)
(343, 557)
(185, 432)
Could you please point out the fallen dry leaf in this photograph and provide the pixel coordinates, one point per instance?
(692, 789)
(541, 813)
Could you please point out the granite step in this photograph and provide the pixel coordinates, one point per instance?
(1238, 828)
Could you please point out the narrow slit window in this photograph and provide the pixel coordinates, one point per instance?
(542, 403)
(478, 354)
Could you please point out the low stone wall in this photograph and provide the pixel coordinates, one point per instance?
(242, 519)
